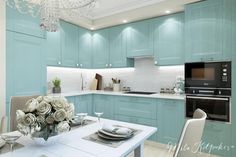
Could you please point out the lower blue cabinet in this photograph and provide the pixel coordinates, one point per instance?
(71, 99)
(84, 104)
(103, 103)
(170, 120)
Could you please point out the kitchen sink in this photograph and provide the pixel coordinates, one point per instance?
(140, 92)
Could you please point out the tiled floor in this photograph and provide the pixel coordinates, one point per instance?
(155, 150)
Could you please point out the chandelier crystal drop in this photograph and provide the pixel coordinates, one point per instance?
(50, 11)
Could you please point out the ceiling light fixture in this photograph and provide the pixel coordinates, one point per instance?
(92, 28)
(50, 11)
(125, 21)
(168, 11)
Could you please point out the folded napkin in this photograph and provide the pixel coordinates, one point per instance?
(116, 130)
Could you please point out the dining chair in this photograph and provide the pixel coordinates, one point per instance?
(191, 135)
(3, 124)
(17, 103)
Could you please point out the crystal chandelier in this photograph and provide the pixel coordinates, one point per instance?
(50, 11)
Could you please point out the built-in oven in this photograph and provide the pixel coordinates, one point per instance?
(216, 108)
(208, 75)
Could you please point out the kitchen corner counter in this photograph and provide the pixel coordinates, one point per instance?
(158, 95)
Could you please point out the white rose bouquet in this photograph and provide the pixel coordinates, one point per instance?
(45, 116)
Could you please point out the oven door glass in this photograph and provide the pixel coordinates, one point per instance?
(217, 108)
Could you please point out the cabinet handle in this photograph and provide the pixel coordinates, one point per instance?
(106, 65)
(81, 65)
(110, 65)
(77, 64)
(155, 62)
(59, 63)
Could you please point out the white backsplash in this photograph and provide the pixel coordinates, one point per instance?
(143, 77)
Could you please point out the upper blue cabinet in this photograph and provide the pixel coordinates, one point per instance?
(206, 29)
(69, 44)
(23, 23)
(117, 47)
(100, 49)
(169, 39)
(139, 39)
(85, 49)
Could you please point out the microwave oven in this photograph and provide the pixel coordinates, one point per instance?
(210, 75)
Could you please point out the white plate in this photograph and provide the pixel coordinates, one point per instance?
(115, 135)
(2, 143)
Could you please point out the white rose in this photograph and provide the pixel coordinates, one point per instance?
(63, 127)
(31, 105)
(44, 108)
(29, 119)
(25, 130)
(50, 119)
(39, 99)
(70, 107)
(60, 115)
(19, 116)
(70, 115)
(48, 99)
(59, 103)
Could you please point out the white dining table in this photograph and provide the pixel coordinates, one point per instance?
(72, 144)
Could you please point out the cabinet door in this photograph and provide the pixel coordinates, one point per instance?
(53, 48)
(85, 48)
(218, 134)
(83, 104)
(103, 103)
(117, 47)
(100, 49)
(71, 99)
(140, 39)
(23, 23)
(169, 40)
(26, 65)
(170, 120)
(69, 43)
(204, 31)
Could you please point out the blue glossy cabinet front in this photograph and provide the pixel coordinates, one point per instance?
(140, 39)
(69, 44)
(85, 48)
(170, 120)
(23, 23)
(169, 39)
(26, 65)
(103, 103)
(207, 30)
(100, 49)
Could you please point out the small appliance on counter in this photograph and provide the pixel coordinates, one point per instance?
(179, 85)
(208, 87)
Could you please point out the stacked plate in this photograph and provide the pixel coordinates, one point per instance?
(114, 135)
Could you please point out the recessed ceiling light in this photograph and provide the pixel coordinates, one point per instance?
(168, 11)
(125, 21)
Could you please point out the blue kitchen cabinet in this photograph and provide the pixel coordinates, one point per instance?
(139, 39)
(23, 23)
(219, 135)
(84, 104)
(117, 48)
(170, 120)
(71, 99)
(26, 65)
(103, 103)
(53, 48)
(205, 31)
(100, 49)
(85, 48)
(169, 39)
(69, 44)
(141, 121)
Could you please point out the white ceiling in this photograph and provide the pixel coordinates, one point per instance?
(113, 12)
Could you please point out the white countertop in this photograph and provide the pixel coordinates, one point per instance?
(158, 95)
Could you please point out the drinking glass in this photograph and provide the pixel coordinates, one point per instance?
(10, 138)
(81, 117)
(99, 115)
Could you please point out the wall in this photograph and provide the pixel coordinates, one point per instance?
(2, 57)
(144, 76)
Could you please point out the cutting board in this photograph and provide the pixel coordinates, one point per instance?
(99, 84)
(94, 84)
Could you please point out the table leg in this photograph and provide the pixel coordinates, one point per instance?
(139, 151)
